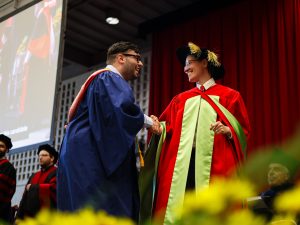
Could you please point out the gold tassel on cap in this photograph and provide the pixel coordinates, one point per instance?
(195, 49)
(213, 58)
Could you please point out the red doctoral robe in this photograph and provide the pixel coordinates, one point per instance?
(7, 188)
(187, 121)
(41, 194)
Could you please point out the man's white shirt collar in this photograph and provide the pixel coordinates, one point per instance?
(112, 68)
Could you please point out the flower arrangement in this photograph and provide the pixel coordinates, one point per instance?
(85, 216)
(222, 203)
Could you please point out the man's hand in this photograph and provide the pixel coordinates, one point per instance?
(220, 128)
(155, 128)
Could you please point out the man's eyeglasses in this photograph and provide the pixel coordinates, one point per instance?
(137, 57)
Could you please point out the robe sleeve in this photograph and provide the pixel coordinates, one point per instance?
(170, 114)
(7, 182)
(29, 204)
(115, 119)
(238, 109)
(47, 192)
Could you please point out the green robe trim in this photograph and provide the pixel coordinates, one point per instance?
(238, 129)
(197, 113)
(147, 176)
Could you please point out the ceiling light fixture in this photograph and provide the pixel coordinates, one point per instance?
(112, 16)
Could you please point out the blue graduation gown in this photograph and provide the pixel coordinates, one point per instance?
(97, 160)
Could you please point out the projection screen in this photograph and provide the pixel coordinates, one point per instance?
(29, 57)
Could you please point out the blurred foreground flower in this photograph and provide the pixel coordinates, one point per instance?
(86, 217)
(222, 195)
(289, 201)
(221, 203)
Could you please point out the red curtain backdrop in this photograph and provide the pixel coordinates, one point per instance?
(258, 41)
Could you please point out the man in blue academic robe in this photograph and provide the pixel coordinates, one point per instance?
(97, 162)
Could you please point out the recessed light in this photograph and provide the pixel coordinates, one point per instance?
(112, 20)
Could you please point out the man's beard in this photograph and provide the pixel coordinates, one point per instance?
(2, 154)
(45, 166)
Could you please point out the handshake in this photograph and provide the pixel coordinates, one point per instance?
(155, 128)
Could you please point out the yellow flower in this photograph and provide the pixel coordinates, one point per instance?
(244, 217)
(85, 216)
(283, 219)
(289, 201)
(206, 201)
(235, 189)
(222, 195)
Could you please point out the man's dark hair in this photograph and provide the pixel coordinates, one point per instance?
(120, 47)
(7, 141)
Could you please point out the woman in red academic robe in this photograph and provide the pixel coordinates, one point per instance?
(205, 132)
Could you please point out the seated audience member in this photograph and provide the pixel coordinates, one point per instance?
(279, 180)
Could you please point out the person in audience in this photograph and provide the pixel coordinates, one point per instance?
(40, 190)
(7, 180)
(279, 181)
(282, 170)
